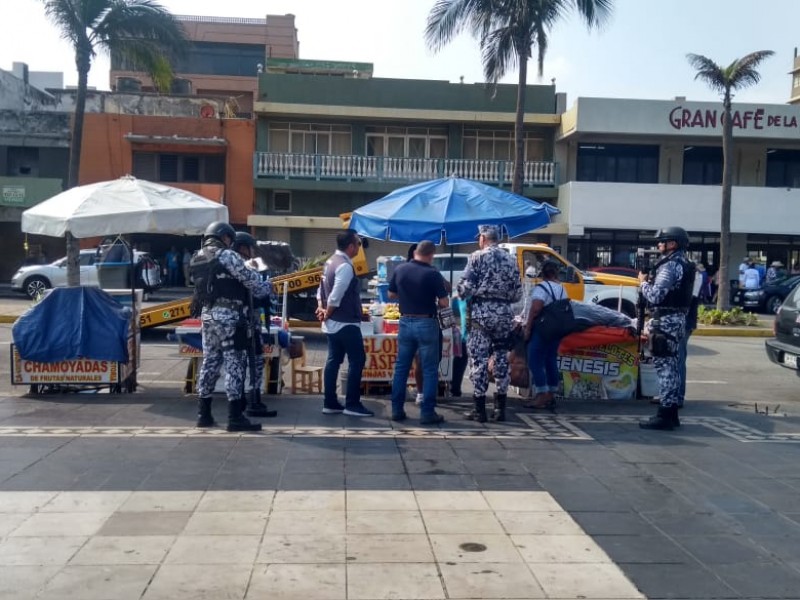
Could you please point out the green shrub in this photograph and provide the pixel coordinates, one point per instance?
(734, 316)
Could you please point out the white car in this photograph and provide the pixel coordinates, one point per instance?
(33, 280)
(451, 262)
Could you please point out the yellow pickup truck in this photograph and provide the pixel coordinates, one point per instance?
(612, 291)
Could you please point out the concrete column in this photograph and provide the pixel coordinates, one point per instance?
(738, 252)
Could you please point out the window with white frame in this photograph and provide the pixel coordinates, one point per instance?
(310, 138)
(484, 144)
(407, 142)
(282, 201)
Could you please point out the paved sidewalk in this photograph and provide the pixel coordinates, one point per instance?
(117, 497)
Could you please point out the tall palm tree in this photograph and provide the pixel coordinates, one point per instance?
(141, 31)
(741, 73)
(507, 31)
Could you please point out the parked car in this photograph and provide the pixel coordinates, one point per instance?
(624, 271)
(766, 299)
(447, 263)
(33, 280)
(784, 348)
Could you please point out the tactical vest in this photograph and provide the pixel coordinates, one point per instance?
(681, 296)
(213, 285)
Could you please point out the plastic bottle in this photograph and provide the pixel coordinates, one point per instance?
(382, 271)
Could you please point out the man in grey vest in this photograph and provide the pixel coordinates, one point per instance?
(339, 309)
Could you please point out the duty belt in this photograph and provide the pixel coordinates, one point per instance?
(228, 303)
(660, 312)
(483, 299)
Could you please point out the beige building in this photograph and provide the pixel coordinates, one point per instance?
(224, 59)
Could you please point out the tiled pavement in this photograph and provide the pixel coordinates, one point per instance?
(119, 497)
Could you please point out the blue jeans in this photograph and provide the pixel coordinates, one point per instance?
(416, 334)
(543, 363)
(345, 342)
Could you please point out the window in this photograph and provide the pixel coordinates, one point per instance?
(407, 142)
(621, 163)
(310, 138)
(22, 161)
(702, 165)
(783, 168)
(179, 168)
(480, 144)
(282, 202)
(411, 142)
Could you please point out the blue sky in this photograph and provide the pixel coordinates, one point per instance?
(640, 53)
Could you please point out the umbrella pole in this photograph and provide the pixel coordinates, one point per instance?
(134, 317)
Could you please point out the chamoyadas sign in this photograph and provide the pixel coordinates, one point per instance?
(756, 119)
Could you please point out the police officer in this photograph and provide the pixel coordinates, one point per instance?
(491, 284)
(668, 293)
(221, 283)
(245, 245)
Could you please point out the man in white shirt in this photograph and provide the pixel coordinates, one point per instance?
(752, 280)
(339, 309)
(746, 262)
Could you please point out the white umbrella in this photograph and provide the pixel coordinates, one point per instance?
(125, 205)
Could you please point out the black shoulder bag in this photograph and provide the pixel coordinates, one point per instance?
(556, 319)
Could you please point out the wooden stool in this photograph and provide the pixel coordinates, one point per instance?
(305, 379)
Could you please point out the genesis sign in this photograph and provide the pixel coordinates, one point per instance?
(681, 118)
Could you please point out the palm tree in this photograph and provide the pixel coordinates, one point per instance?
(507, 31)
(141, 31)
(741, 73)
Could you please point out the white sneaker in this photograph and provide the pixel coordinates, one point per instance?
(420, 397)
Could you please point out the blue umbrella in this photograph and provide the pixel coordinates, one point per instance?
(448, 210)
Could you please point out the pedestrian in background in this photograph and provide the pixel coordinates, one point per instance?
(172, 259)
(491, 283)
(420, 291)
(339, 309)
(186, 260)
(460, 352)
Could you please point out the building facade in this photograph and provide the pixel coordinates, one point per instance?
(331, 138)
(224, 58)
(633, 166)
(34, 156)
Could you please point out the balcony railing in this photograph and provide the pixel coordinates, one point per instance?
(390, 169)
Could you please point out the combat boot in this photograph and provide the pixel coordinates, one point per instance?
(663, 420)
(237, 421)
(478, 412)
(676, 422)
(499, 413)
(204, 416)
(256, 408)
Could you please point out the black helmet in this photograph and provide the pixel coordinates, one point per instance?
(219, 229)
(242, 238)
(675, 234)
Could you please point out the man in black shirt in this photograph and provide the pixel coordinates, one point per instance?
(420, 290)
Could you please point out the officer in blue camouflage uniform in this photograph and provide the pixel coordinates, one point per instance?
(245, 245)
(668, 293)
(491, 284)
(222, 281)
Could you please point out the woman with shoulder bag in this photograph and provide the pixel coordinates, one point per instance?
(542, 350)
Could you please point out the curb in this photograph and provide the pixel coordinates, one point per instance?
(746, 332)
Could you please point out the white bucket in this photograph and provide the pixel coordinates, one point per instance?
(648, 380)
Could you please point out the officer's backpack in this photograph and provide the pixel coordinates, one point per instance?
(203, 267)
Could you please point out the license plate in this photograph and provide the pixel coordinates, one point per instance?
(790, 360)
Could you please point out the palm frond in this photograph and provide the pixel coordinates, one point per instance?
(595, 13)
(498, 55)
(709, 72)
